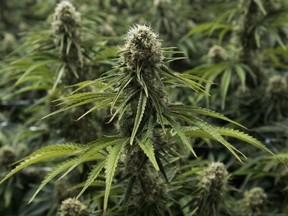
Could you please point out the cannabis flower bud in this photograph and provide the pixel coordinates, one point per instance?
(217, 54)
(7, 156)
(66, 20)
(277, 85)
(161, 3)
(142, 49)
(213, 183)
(215, 177)
(73, 207)
(255, 198)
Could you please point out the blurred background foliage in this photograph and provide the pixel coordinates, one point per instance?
(239, 46)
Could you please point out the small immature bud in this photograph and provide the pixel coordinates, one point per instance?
(277, 85)
(7, 156)
(66, 20)
(217, 54)
(142, 49)
(107, 30)
(256, 199)
(8, 40)
(73, 207)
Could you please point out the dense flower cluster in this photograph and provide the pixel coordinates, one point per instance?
(277, 84)
(255, 198)
(66, 20)
(217, 54)
(142, 48)
(215, 177)
(161, 3)
(73, 207)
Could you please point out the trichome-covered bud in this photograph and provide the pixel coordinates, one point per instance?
(277, 85)
(214, 181)
(7, 156)
(153, 186)
(215, 177)
(73, 207)
(217, 54)
(8, 41)
(150, 190)
(162, 3)
(133, 159)
(66, 20)
(142, 49)
(255, 199)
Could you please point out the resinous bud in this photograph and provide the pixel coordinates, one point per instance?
(142, 49)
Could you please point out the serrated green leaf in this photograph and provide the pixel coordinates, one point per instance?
(102, 104)
(59, 75)
(122, 107)
(121, 89)
(160, 107)
(182, 79)
(105, 142)
(180, 133)
(198, 132)
(242, 136)
(211, 130)
(110, 168)
(34, 67)
(202, 111)
(81, 100)
(92, 176)
(148, 148)
(139, 115)
(44, 153)
(98, 83)
(242, 76)
(225, 82)
(70, 164)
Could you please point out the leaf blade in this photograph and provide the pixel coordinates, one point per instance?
(110, 168)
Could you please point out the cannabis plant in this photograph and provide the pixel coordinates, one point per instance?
(119, 126)
(135, 92)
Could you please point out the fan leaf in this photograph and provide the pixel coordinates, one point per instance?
(92, 176)
(110, 168)
(140, 112)
(44, 153)
(180, 133)
(202, 111)
(148, 149)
